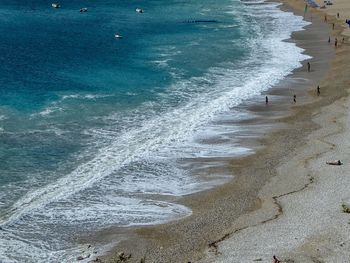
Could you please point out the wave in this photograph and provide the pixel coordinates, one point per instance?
(85, 96)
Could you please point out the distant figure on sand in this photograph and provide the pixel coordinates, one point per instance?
(295, 98)
(337, 15)
(336, 162)
(329, 39)
(347, 22)
(275, 260)
(318, 91)
(325, 18)
(266, 100)
(333, 26)
(336, 42)
(308, 67)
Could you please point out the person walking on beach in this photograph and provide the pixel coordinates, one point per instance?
(308, 66)
(337, 15)
(318, 91)
(336, 42)
(266, 100)
(295, 98)
(325, 18)
(329, 39)
(333, 26)
(275, 260)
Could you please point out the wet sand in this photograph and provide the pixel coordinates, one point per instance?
(230, 214)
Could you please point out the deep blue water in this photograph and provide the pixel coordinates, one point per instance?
(92, 127)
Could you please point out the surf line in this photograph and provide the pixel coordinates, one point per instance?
(201, 21)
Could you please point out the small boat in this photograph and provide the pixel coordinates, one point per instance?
(55, 5)
(118, 36)
(83, 10)
(139, 10)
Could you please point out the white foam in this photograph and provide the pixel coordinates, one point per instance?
(48, 111)
(161, 63)
(56, 106)
(85, 96)
(131, 93)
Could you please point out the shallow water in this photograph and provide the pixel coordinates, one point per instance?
(93, 129)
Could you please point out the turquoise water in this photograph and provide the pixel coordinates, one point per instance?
(92, 128)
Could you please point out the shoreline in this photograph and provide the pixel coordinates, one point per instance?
(312, 220)
(164, 243)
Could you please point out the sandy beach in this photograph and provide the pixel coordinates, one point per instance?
(284, 200)
(310, 225)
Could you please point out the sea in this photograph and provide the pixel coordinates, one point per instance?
(98, 131)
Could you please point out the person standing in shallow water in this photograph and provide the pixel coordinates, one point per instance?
(266, 100)
(329, 39)
(318, 91)
(336, 42)
(295, 98)
(308, 67)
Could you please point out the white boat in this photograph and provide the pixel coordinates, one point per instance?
(83, 10)
(139, 10)
(55, 5)
(118, 36)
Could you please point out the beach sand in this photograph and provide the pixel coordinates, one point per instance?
(284, 199)
(340, 7)
(310, 225)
